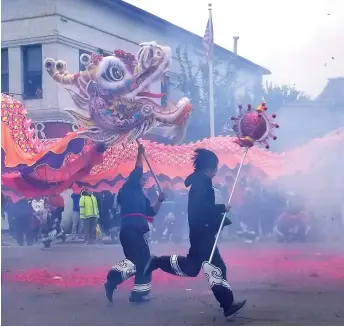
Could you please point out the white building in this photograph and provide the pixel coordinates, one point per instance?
(63, 29)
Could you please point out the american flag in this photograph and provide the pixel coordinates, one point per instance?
(208, 38)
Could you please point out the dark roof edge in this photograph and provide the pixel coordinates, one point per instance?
(133, 11)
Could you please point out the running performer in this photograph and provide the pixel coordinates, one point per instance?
(136, 212)
(204, 218)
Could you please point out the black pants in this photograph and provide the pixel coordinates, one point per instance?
(23, 230)
(57, 213)
(104, 220)
(189, 266)
(137, 254)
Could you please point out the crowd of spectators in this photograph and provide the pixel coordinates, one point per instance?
(259, 211)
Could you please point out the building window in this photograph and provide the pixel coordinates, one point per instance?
(81, 66)
(165, 86)
(32, 60)
(4, 71)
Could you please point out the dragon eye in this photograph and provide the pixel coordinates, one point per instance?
(113, 73)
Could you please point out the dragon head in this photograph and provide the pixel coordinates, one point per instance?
(118, 74)
(112, 95)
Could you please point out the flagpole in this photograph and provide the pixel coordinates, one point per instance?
(211, 84)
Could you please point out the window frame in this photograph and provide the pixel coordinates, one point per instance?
(5, 76)
(32, 74)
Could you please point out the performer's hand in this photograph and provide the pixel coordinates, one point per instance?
(162, 197)
(228, 208)
(227, 222)
(141, 150)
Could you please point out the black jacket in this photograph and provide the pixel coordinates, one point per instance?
(132, 200)
(22, 209)
(203, 214)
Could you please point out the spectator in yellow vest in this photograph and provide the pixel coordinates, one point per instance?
(89, 213)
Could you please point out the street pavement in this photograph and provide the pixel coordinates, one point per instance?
(285, 284)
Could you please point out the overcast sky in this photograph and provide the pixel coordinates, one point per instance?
(294, 39)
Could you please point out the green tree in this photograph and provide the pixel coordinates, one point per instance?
(194, 83)
(277, 96)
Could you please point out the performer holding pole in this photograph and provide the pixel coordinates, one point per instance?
(205, 218)
(136, 212)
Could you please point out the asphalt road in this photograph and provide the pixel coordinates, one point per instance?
(293, 284)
